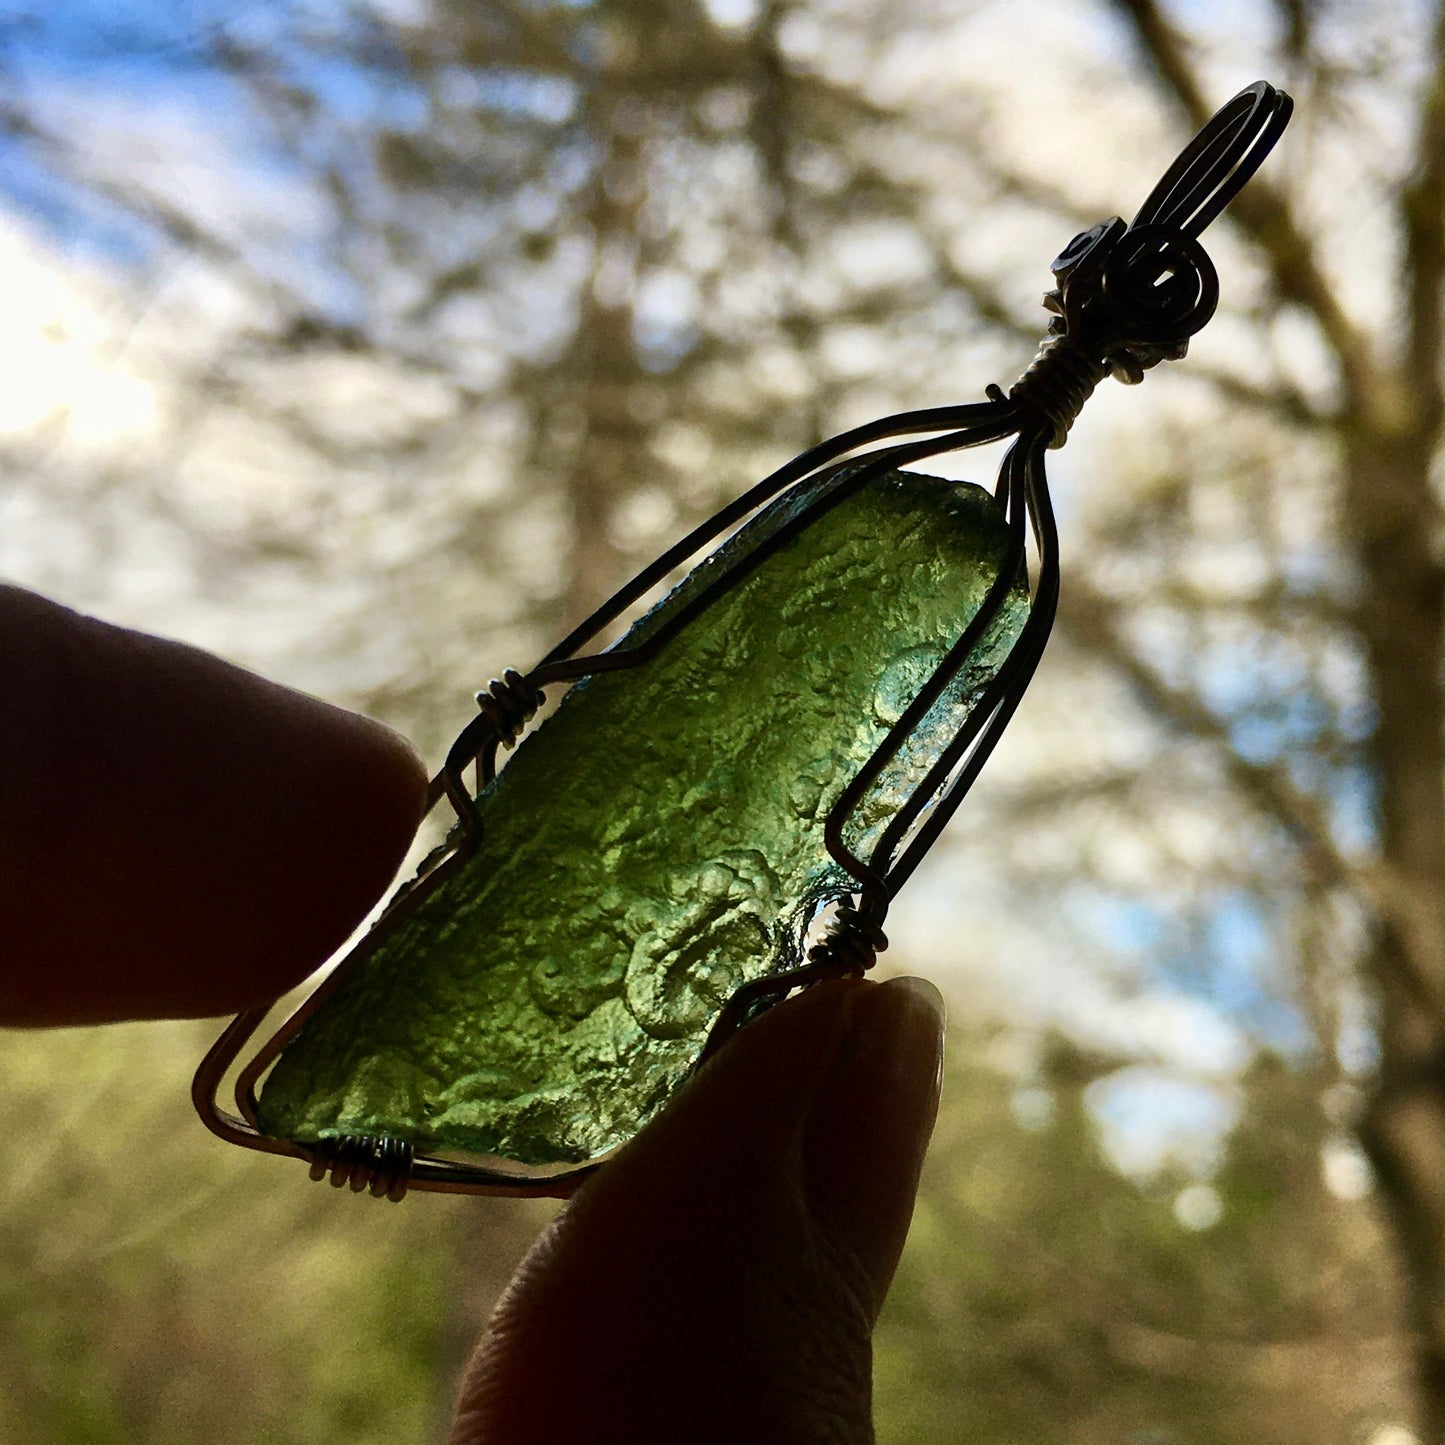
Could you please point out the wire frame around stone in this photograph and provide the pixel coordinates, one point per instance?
(1125, 298)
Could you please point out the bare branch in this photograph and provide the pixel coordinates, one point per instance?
(1283, 402)
(1093, 623)
(171, 222)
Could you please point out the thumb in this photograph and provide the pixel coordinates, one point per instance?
(719, 1280)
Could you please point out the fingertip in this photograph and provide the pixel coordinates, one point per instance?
(870, 1123)
(338, 801)
(705, 1262)
(181, 837)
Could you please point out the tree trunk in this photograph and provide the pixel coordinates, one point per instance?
(603, 367)
(1389, 507)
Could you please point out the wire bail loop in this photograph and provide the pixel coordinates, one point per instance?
(1127, 297)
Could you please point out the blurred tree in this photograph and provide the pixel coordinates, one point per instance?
(156, 1289)
(1369, 428)
(1044, 1286)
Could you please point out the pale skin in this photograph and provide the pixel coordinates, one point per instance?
(718, 1281)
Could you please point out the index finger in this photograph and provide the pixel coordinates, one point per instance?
(178, 836)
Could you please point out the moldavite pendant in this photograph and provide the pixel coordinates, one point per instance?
(756, 764)
(658, 842)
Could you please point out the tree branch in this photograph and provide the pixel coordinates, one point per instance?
(1093, 623)
(1281, 401)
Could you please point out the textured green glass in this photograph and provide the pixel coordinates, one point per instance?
(658, 841)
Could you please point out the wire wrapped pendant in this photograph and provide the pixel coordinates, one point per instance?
(727, 797)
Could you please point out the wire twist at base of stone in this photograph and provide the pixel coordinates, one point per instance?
(850, 940)
(380, 1164)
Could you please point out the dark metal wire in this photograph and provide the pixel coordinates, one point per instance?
(1059, 380)
(1125, 298)
(381, 1165)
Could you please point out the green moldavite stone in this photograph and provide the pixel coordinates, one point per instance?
(658, 841)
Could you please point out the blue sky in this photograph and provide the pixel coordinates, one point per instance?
(153, 53)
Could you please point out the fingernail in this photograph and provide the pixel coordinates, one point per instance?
(870, 1123)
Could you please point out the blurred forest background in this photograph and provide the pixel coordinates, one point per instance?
(372, 343)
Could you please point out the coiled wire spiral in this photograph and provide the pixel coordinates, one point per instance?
(379, 1164)
(851, 942)
(1056, 384)
(508, 703)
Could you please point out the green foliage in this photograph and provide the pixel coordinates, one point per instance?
(1046, 1296)
(157, 1286)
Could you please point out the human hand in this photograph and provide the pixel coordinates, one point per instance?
(181, 838)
